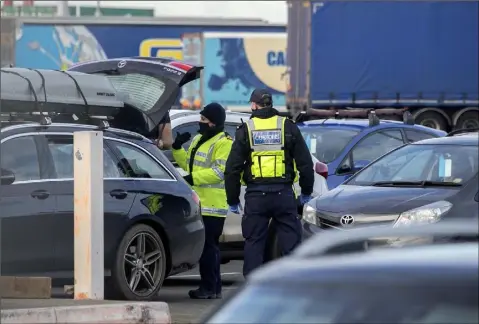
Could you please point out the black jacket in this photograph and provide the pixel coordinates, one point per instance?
(239, 160)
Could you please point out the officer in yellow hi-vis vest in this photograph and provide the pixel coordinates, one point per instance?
(266, 149)
(205, 163)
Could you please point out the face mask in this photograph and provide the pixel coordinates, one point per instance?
(204, 127)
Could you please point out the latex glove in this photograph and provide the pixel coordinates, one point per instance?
(180, 139)
(236, 209)
(304, 199)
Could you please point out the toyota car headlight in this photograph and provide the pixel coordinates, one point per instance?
(426, 214)
(309, 215)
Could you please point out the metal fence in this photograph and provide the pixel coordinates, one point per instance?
(8, 38)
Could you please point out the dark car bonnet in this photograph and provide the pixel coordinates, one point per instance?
(379, 200)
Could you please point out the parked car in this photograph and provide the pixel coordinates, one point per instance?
(232, 240)
(152, 219)
(421, 182)
(348, 145)
(319, 283)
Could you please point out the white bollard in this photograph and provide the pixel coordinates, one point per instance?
(88, 211)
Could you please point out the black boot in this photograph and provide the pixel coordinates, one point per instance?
(201, 294)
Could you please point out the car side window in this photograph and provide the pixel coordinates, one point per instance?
(230, 128)
(20, 156)
(191, 128)
(138, 164)
(414, 136)
(376, 145)
(61, 148)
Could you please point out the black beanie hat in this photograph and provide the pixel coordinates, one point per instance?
(215, 113)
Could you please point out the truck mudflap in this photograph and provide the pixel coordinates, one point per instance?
(148, 85)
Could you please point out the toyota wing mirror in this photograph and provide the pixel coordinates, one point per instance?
(7, 177)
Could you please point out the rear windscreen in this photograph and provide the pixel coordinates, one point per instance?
(327, 143)
(144, 91)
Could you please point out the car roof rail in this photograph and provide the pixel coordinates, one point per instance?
(360, 239)
(462, 131)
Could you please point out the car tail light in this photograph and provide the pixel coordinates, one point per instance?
(182, 66)
(195, 197)
(321, 169)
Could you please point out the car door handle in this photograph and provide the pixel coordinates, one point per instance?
(118, 194)
(40, 194)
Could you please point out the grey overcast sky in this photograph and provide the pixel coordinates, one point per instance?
(273, 11)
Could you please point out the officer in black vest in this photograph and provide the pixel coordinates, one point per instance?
(265, 151)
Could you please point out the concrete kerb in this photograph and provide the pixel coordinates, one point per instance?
(151, 312)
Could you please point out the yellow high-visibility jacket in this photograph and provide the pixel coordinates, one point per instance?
(208, 172)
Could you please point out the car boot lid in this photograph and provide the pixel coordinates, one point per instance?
(149, 84)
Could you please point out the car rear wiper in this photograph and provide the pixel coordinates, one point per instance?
(425, 183)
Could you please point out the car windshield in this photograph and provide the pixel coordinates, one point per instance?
(326, 143)
(436, 164)
(351, 304)
(143, 90)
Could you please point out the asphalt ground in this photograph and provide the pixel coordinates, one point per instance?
(174, 292)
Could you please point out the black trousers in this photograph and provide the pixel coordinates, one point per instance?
(210, 258)
(261, 205)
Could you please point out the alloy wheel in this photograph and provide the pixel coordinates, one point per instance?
(142, 264)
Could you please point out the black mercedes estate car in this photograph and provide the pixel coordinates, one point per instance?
(152, 218)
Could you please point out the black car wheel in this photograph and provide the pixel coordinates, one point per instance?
(140, 265)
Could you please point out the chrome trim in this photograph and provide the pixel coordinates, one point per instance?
(71, 179)
(105, 137)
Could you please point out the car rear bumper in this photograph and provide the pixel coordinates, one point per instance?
(186, 245)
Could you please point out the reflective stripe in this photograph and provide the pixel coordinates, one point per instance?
(216, 211)
(218, 172)
(220, 162)
(263, 148)
(214, 186)
(201, 154)
(200, 163)
(209, 156)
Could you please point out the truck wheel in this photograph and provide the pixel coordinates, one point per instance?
(469, 119)
(432, 119)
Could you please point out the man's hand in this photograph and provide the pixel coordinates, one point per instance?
(181, 138)
(236, 209)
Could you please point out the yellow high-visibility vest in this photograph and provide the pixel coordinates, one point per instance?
(267, 142)
(208, 172)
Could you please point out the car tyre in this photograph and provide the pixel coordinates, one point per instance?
(139, 267)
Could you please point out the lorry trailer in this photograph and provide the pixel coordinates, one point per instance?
(348, 58)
